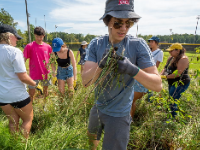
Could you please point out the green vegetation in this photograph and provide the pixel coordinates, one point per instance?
(63, 126)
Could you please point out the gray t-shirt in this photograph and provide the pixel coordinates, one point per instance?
(11, 62)
(115, 95)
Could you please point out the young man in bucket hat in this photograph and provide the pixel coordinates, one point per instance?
(111, 111)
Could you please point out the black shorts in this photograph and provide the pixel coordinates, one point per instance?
(19, 104)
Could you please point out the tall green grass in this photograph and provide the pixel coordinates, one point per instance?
(63, 126)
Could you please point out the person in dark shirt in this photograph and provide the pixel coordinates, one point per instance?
(82, 52)
(65, 71)
(176, 71)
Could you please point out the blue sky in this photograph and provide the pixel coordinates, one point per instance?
(82, 16)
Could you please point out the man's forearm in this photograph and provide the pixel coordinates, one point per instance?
(150, 81)
(90, 76)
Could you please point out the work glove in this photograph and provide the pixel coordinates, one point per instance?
(126, 67)
(39, 88)
(104, 59)
(74, 83)
(54, 80)
(163, 76)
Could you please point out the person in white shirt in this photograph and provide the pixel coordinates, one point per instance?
(14, 98)
(140, 90)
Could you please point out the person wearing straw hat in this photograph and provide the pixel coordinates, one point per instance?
(111, 111)
(14, 98)
(65, 71)
(139, 89)
(176, 71)
(82, 52)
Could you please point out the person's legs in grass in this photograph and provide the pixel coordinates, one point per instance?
(45, 91)
(12, 116)
(23, 110)
(61, 88)
(137, 95)
(26, 114)
(95, 128)
(93, 142)
(175, 93)
(70, 87)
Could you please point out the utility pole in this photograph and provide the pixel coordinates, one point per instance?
(45, 29)
(27, 15)
(171, 34)
(55, 29)
(198, 17)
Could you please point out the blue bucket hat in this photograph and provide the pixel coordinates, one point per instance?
(120, 9)
(154, 38)
(57, 44)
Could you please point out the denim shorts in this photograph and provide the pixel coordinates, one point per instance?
(43, 83)
(64, 73)
(139, 87)
(116, 129)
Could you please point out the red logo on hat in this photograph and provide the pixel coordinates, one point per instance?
(124, 2)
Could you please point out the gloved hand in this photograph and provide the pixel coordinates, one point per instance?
(39, 88)
(104, 58)
(74, 83)
(126, 67)
(163, 76)
(54, 80)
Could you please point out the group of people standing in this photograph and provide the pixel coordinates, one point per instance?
(111, 112)
(15, 101)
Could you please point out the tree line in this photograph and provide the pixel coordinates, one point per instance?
(6, 18)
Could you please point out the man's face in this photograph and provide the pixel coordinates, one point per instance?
(39, 38)
(152, 44)
(118, 29)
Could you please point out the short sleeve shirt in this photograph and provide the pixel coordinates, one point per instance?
(82, 53)
(115, 95)
(38, 56)
(11, 62)
(158, 55)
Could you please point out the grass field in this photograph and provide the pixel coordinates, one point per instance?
(63, 126)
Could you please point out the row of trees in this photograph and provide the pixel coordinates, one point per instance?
(6, 18)
(181, 38)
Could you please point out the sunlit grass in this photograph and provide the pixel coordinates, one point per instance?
(63, 126)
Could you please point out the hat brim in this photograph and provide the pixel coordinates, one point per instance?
(56, 49)
(18, 37)
(85, 44)
(150, 40)
(169, 49)
(122, 14)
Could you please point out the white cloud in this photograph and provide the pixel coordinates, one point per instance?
(21, 24)
(158, 16)
(84, 28)
(74, 11)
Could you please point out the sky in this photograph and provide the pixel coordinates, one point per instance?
(82, 16)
